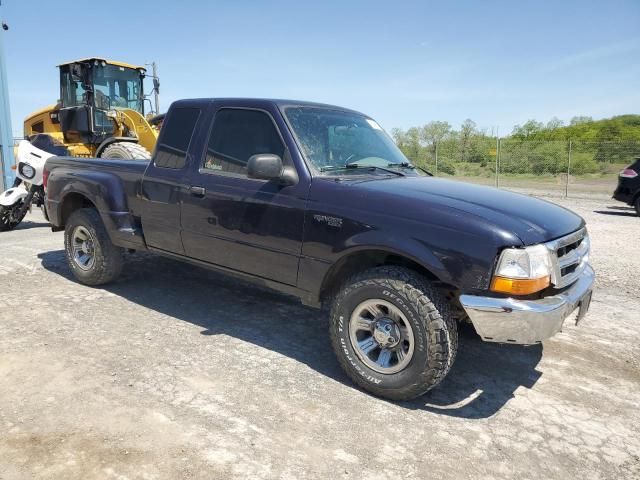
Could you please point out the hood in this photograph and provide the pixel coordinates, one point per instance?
(530, 219)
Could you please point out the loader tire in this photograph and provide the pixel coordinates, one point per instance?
(126, 151)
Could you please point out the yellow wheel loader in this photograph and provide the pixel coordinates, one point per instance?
(100, 112)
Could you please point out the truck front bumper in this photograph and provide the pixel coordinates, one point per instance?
(510, 320)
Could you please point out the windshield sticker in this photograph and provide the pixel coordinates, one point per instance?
(373, 124)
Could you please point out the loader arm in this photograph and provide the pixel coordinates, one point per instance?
(139, 126)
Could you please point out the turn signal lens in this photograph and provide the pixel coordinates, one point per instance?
(13, 167)
(519, 286)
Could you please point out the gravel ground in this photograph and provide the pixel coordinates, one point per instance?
(176, 372)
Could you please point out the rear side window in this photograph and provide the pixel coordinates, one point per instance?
(236, 136)
(175, 137)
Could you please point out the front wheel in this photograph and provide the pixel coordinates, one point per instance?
(93, 259)
(11, 216)
(393, 333)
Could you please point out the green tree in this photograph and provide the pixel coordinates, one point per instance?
(435, 132)
(527, 130)
(468, 130)
(580, 119)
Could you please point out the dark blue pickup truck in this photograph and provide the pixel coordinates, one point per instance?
(317, 201)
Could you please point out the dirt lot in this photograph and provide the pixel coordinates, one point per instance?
(176, 372)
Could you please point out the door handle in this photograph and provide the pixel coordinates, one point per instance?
(197, 191)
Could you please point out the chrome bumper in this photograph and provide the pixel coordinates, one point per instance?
(510, 320)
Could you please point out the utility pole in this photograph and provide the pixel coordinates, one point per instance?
(156, 86)
(6, 137)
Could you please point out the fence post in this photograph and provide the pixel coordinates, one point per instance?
(436, 174)
(566, 185)
(497, 158)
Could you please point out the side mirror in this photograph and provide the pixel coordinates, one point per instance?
(156, 84)
(267, 166)
(264, 166)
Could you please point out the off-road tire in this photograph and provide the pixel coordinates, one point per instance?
(108, 257)
(5, 223)
(126, 151)
(435, 331)
(45, 214)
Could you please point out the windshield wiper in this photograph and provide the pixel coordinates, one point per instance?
(401, 164)
(349, 166)
(410, 166)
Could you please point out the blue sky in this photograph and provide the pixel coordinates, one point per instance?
(404, 62)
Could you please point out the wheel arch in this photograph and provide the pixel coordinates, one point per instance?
(360, 259)
(71, 202)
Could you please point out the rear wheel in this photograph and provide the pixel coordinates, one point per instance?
(393, 333)
(44, 212)
(10, 216)
(93, 259)
(126, 151)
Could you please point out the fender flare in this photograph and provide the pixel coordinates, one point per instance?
(111, 140)
(412, 251)
(103, 189)
(13, 195)
(106, 193)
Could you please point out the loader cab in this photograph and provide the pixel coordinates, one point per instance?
(89, 90)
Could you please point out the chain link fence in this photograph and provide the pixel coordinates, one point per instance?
(542, 167)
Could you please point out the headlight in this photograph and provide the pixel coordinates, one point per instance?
(27, 170)
(522, 271)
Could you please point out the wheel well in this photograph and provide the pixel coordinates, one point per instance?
(364, 260)
(71, 203)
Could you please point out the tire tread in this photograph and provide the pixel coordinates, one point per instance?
(133, 150)
(109, 258)
(433, 309)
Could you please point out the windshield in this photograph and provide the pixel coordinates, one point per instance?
(334, 139)
(117, 87)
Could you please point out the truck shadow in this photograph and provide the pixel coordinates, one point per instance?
(484, 377)
(29, 223)
(617, 213)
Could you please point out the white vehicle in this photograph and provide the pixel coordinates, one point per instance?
(28, 187)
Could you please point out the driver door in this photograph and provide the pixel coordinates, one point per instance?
(252, 226)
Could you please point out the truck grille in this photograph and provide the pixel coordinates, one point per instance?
(569, 257)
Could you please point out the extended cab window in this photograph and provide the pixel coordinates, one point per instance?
(176, 135)
(236, 136)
